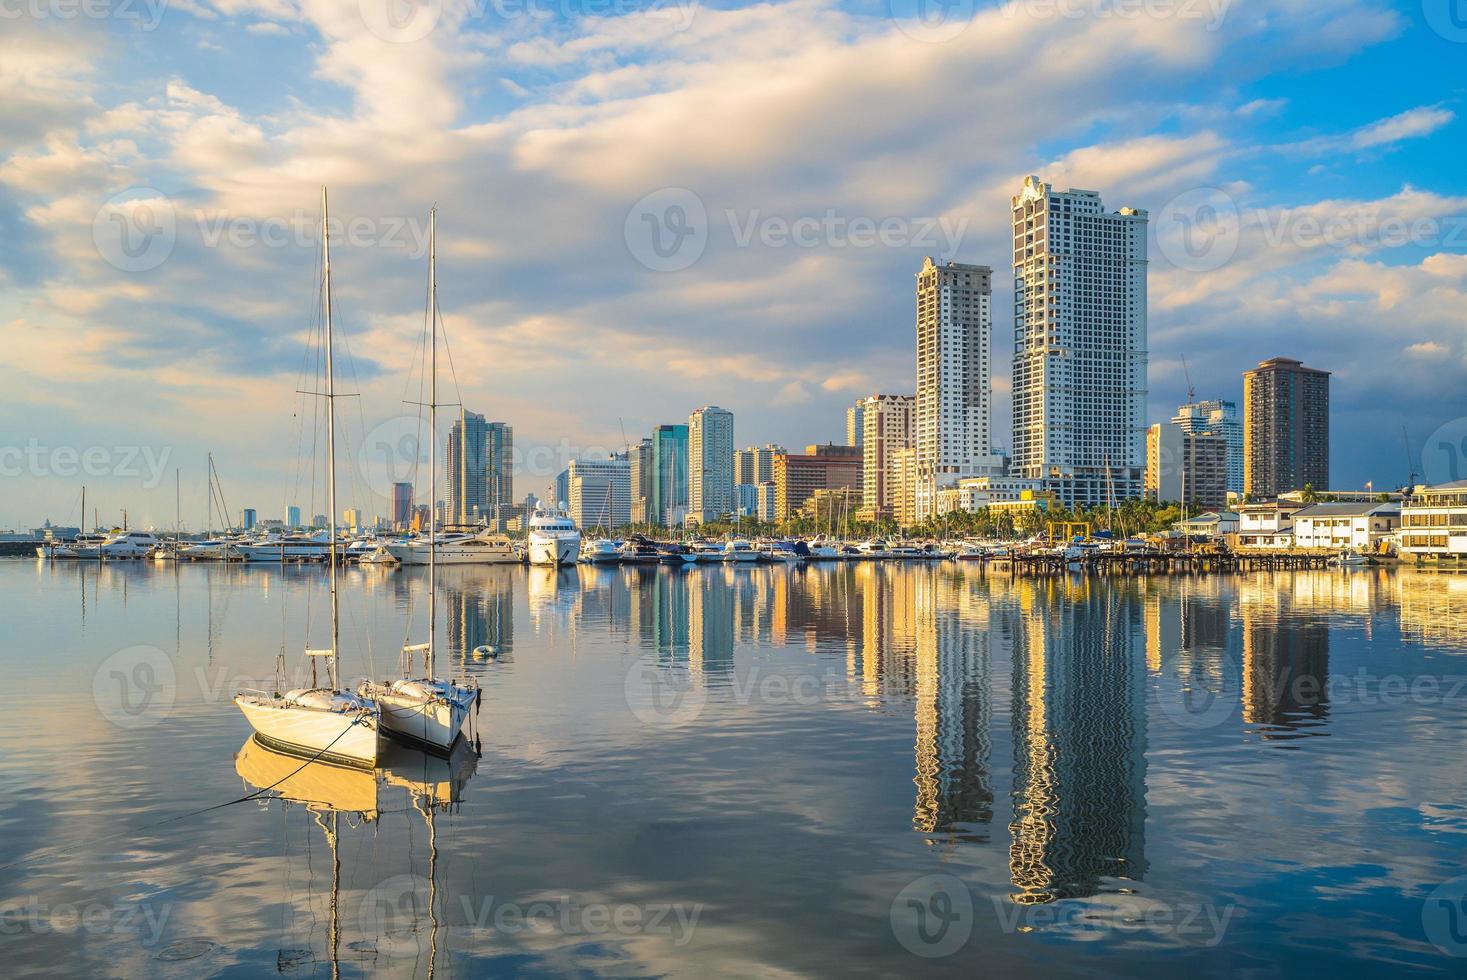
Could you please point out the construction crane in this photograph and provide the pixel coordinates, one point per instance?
(1191, 392)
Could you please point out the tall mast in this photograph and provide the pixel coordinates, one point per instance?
(433, 439)
(330, 440)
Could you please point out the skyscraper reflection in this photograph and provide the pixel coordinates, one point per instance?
(1079, 735)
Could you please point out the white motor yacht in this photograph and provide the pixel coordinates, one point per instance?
(554, 539)
(288, 547)
(740, 550)
(601, 551)
(129, 544)
(462, 548)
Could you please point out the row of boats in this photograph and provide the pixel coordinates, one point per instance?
(641, 550)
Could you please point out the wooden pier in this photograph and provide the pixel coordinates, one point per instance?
(1160, 562)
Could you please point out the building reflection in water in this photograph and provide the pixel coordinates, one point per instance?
(952, 706)
(1285, 658)
(1079, 735)
(480, 611)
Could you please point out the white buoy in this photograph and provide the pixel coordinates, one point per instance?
(486, 651)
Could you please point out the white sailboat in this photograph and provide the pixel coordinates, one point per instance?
(427, 711)
(324, 723)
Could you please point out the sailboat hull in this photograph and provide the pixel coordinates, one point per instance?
(434, 725)
(345, 739)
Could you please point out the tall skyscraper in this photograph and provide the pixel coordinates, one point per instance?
(887, 426)
(292, 516)
(1285, 428)
(498, 465)
(954, 336)
(855, 422)
(755, 465)
(1220, 417)
(402, 505)
(600, 492)
(669, 502)
(465, 466)
(710, 464)
(642, 476)
(1079, 344)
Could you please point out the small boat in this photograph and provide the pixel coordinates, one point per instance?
(779, 551)
(378, 556)
(740, 550)
(708, 551)
(601, 551)
(84, 546)
(677, 553)
(875, 548)
(1350, 559)
(640, 551)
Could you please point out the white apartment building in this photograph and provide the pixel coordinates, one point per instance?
(710, 464)
(1267, 525)
(886, 426)
(978, 492)
(755, 465)
(600, 492)
(1346, 526)
(1434, 523)
(954, 372)
(1080, 358)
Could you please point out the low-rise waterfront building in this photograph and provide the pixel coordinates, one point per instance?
(1346, 526)
(1434, 523)
(1212, 524)
(1268, 524)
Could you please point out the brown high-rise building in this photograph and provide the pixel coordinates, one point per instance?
(1285, 428)
(827, 467)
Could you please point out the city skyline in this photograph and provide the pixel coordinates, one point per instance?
(199, 351)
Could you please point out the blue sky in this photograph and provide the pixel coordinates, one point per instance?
(1301, 163)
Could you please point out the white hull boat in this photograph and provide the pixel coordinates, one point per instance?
(554, 539)
(316, 724)
(601, 551)
(458, 549)
(740, 550)
(310, 549)
(428, 713)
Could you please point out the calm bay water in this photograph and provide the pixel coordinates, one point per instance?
(868, 770)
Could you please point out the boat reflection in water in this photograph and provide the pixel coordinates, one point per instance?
(398, 915)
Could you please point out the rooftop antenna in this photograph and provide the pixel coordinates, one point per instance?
(1410, 461)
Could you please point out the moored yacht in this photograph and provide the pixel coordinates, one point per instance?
(285, 547)
(554, 539)
(461, 548)
(129, 544)
(601, 551)
(640, 550)
(740, 550)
